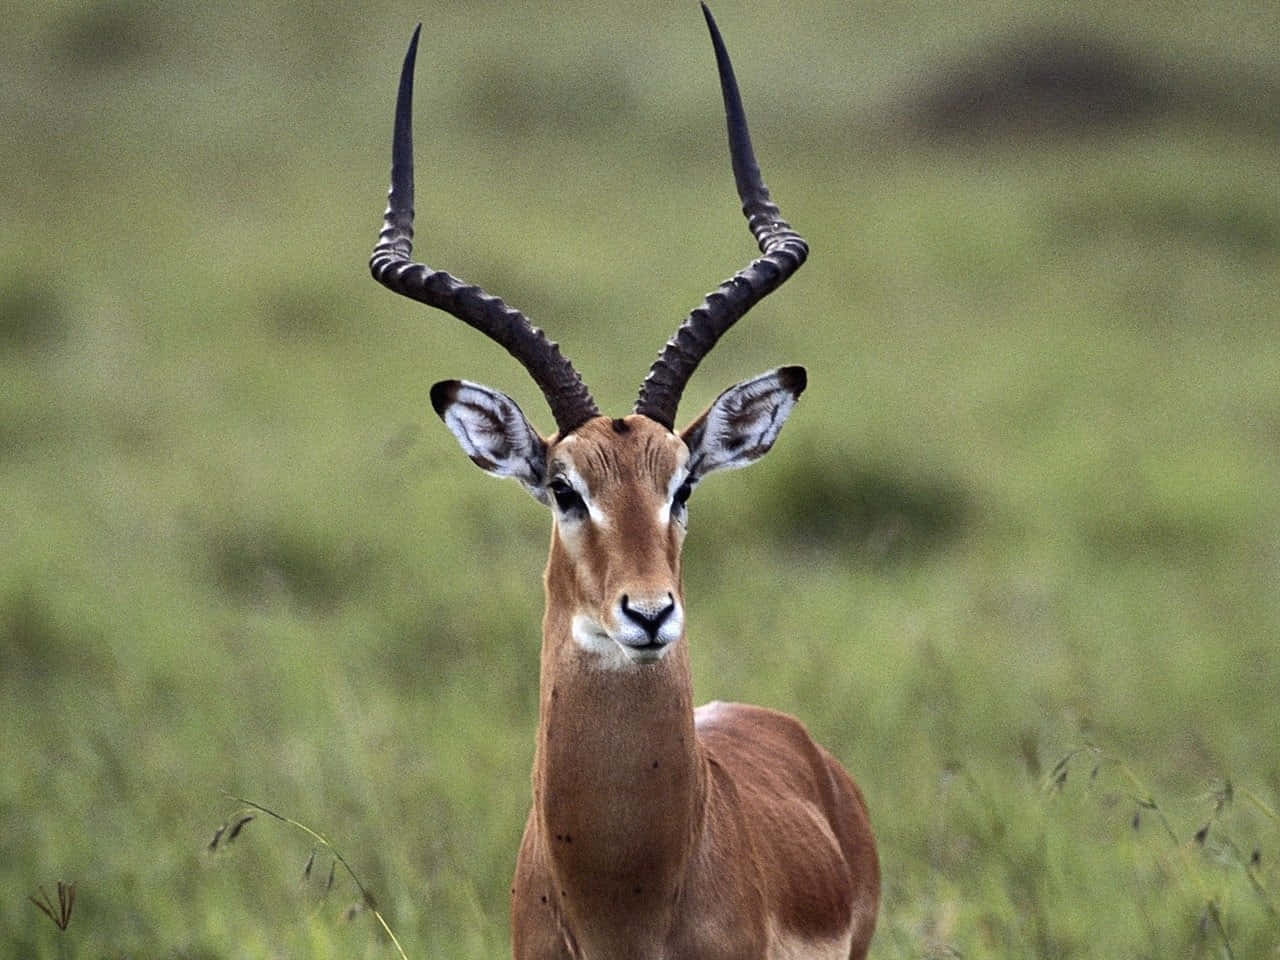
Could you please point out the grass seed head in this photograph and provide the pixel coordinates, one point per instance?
(217, 835)
(61, 914)
(239, 825)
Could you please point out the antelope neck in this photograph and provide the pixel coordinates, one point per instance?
(619, 786)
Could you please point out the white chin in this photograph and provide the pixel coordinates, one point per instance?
(648, 654)
(614, 654)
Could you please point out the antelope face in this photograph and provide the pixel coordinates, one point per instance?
(618, 492)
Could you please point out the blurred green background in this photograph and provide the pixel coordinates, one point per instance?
(1028, 505)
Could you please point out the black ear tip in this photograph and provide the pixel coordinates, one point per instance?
(443, 394)
(794, 379)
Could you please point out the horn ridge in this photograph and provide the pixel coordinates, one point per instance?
(783, 252)
(570, 401)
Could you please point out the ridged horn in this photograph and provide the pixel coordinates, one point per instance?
(783, 251)
(567, 395)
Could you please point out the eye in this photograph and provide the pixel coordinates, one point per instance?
(567, 499)
(681, 496)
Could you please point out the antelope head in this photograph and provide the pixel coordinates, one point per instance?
(617, 488)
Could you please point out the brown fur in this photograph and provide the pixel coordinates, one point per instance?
(657, 831)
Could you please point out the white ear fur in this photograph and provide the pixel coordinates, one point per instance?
(743, 422)
(493, 432)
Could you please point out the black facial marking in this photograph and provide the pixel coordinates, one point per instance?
(683, 492)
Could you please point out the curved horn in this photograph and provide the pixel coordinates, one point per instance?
(570, 401)
(783, 251)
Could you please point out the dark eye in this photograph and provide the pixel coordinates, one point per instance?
(681, 496)
(567, 498)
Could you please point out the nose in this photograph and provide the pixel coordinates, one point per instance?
(649, 615)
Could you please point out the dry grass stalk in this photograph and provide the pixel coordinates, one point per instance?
(1222, 796)
(367, 902)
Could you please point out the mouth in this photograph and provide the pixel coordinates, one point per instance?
(619, 652)
(650, 652)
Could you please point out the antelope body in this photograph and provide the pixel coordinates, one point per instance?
(656, 830)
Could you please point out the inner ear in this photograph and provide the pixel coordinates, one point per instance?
(742, 423)
(493, 432)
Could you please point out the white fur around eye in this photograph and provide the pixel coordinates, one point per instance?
(567, 472)
(669, 507)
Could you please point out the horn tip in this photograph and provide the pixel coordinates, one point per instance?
(411, 53)
(711, 21)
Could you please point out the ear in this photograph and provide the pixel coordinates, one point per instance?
(493, 432)
(743, 422)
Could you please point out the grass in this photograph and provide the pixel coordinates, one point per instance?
(231, 829)
(1026, 511)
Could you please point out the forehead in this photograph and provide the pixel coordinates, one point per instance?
(611, 453)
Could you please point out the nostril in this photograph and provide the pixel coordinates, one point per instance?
(661, 615)
(645, 616)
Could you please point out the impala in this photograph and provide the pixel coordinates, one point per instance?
(657, 830)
